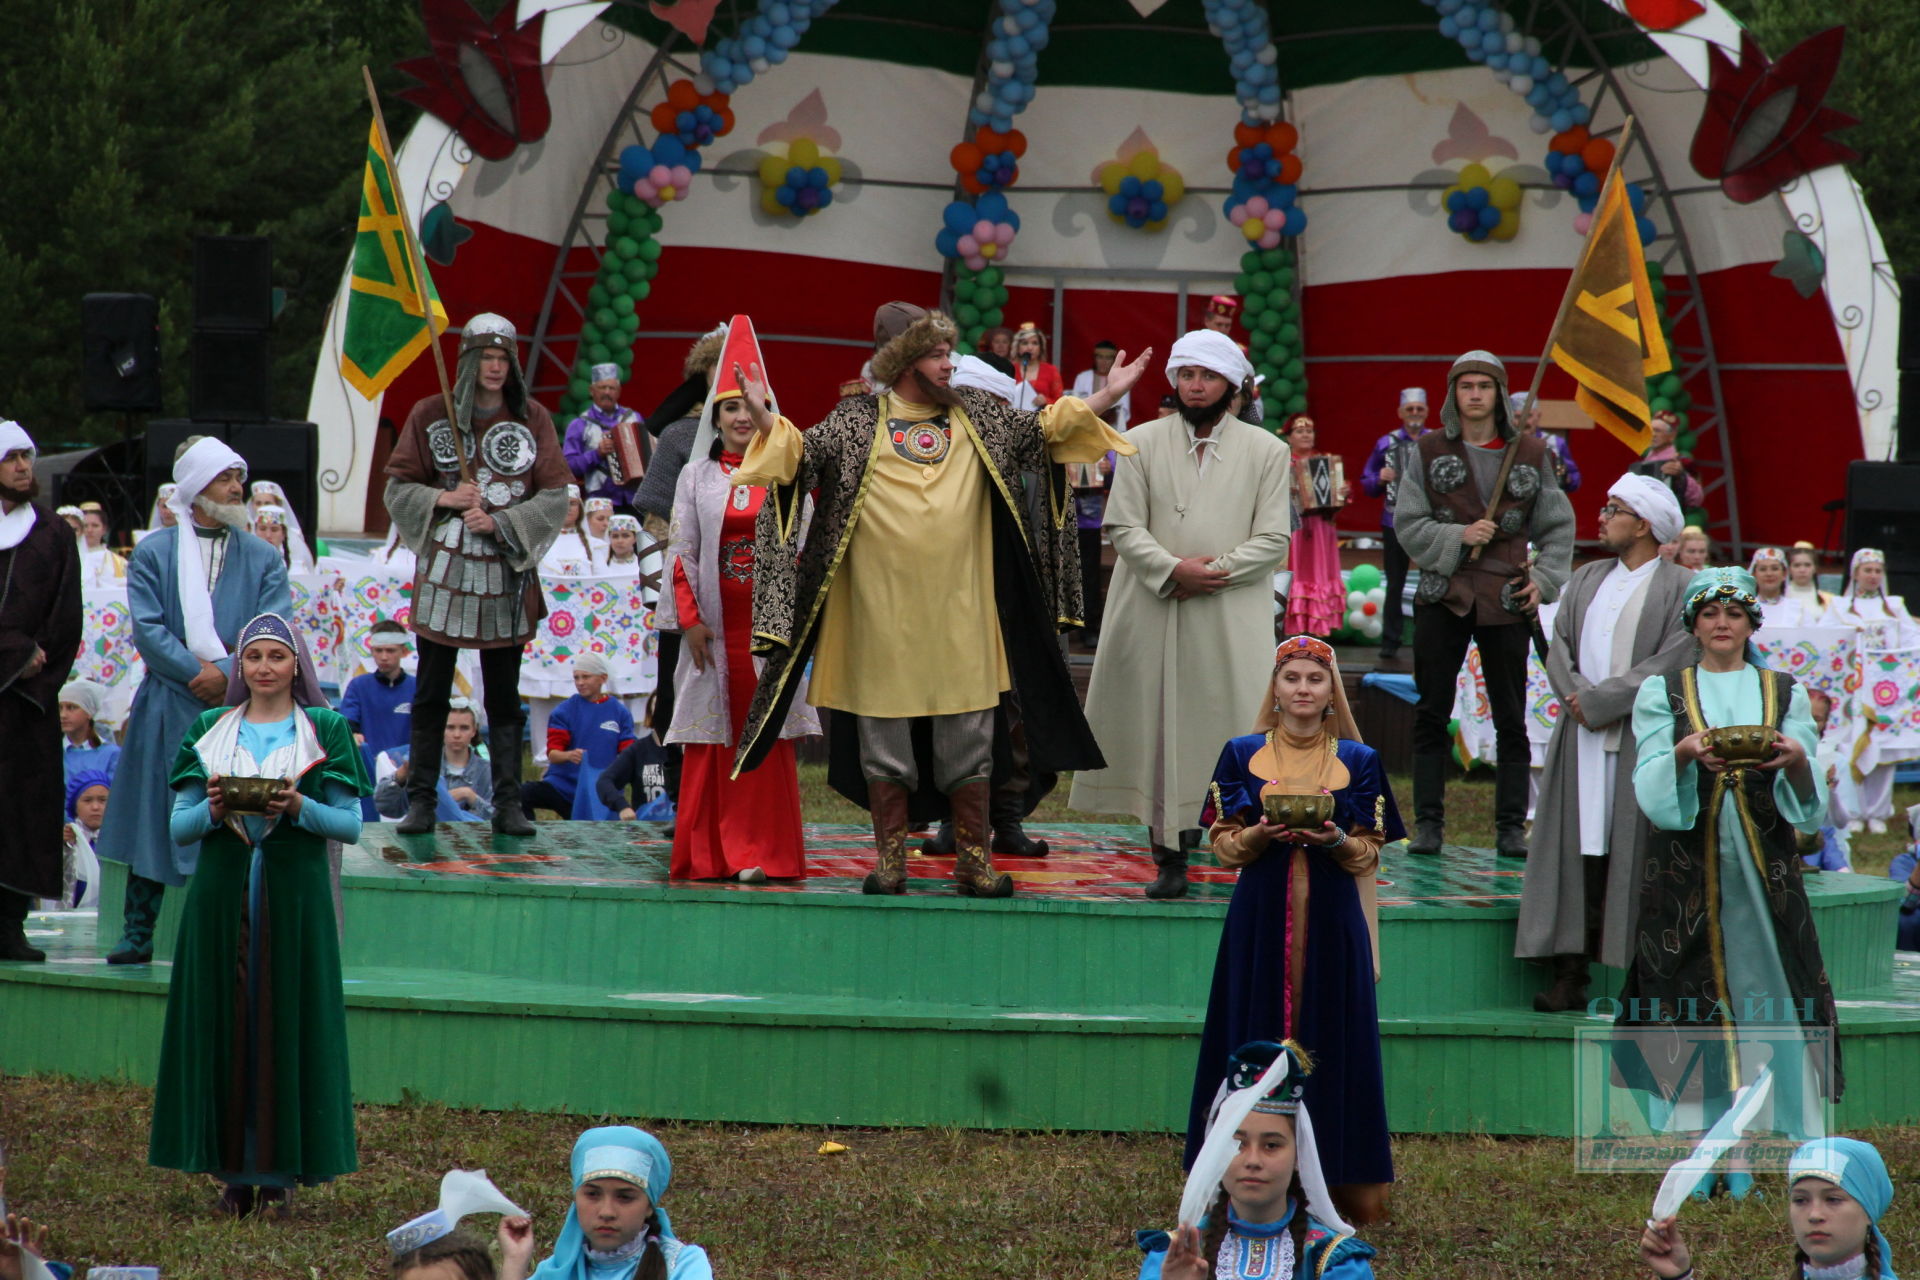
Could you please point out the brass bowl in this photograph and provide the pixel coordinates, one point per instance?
(250, 795)
(1740, 743)
(1301, 813)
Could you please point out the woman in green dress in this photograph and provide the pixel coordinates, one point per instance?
(253, 1081)
(1726, 960)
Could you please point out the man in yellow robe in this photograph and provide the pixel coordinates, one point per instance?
(938, 570)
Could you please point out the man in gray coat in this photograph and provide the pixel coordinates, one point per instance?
(1618, 625)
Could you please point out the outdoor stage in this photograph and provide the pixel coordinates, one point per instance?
(504, 974)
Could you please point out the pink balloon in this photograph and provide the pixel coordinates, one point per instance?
(969, 246)
(1003, 235)
(983, 230)
(977, 263)
(1581, 223)
(1256, 207)
(660, 175)
(1239, 215)
(1276, 218)
(682, 176)
(1271, 240)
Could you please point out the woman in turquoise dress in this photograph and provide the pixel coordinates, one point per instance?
(1726, 957)
(253, 1083)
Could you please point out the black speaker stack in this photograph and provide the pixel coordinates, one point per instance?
(1883, 498)
(120, 353)
(228, 390)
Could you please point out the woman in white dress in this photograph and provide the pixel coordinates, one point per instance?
(1882, 622)
(1778, 608)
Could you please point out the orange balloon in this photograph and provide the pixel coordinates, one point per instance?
(1283, 136)
(663, 117)
(683, 95)
(1233, 159)
(1017, 143)
(726, 116)
(1246, 134)
(1290, 168)
(1570, 142)
(1597, 155)
(965, 158)
(972, 185)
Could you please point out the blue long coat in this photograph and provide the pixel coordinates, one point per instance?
(253, 581)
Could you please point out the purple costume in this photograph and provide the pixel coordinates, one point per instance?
(582, 450)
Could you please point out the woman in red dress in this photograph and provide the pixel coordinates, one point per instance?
(1030, 367)
(726, 828)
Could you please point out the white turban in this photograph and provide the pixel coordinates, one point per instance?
(1209, 350)
(604, 373)
(14, 436)
(590, 664)
(1653, 502)
(197, 468)
(1413, 395)
(84, 694)
(972, 371)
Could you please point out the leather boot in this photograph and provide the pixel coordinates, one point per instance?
(1568, 993)
(973, 872)
(1429, 805)
(1009, 833)
(1510, 783)
(887, 802)
(423, 780)
(1172, 880)
(13, 928)
(940, 843)
(139, 909)
(503, 746)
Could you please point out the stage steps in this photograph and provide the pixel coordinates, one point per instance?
(502, 976)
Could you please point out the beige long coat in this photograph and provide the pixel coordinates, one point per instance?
(1173, 680)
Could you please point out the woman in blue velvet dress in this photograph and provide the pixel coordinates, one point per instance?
(1299, 953)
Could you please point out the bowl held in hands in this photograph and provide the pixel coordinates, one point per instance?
(251, 795)
(1299, 812)
(1741, 743)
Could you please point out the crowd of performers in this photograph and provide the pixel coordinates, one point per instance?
(794, 578)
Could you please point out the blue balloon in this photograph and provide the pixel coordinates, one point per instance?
(1283, 194)
(753, 46)
(1296, 221)
(1448, 27)
(817, 178)
(826, 197)
(1477, 234)
(1156, 210)
(947, 242)
(1561, 121)
(1541, 68)
(1011, 218)
(1129, 186)
(779, 14)
(785, 37)
(959, 217)
(1476, 54)
(776, 55)
(1497, 60)
(1637, 197)
(1117, 203)
(1492, 43)
(1477, 198)
(1646, 228)
(1587, 184)
(1489, 19)
(1152, 189)
(1018, 47)
(1468, 15)
(1489, 217)
(1557, 82)
(992, 206)
(1587, 203)
(1580, 113)
(1456, 201)
(1002, 123)
(796, 176)
(785, 196)
(1448, 6)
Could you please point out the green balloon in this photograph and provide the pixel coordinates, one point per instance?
(1274, 259)
(617, 224)
(598, 352)
(579, 388)
(967, 314)
(1278, 389)
(1685, 440)
(1365, 577)
(605, 318)
(650, 250)
(1250, 261)
(1298, 404)
(625, 248)
(1267, 322)
(630, 325)
(1259, 339)
(1287, 305)
(963, 289)
(1264, 370)
(989, 277)
(591, 332)
(1659, 404)
(992, 318)
(1273, 424)
(1655, 270)
(639, 290)
(598, 296)
(1283, 277)
(634, 269)
(1253, 306)
(1242, 283)
(617, 199)
(1259, 282)
(1295, 368)
(1289, 334)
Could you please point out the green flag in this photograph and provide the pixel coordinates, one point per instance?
(386, 319)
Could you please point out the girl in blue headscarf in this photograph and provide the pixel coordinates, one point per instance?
(616, 1228)
(1837, 1192)
(1725, 938)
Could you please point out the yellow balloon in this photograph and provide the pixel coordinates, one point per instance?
(1172, 187)
(1253, 228)
(768, 203)
(1111, 174)
(1475, 175)
(1509, 227)
(1503, 193)
(1145, 164)
(989, 250)
(803, 152)
(832, 166)
(773, 170)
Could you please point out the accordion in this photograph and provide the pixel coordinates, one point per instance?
(1320, 483)
(628, 461)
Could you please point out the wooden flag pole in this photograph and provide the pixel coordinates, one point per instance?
(1553, 336)
(419, 272)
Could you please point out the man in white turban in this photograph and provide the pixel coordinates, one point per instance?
(1199, 517)
(40, 611)
(1618, 625)
(190, 588)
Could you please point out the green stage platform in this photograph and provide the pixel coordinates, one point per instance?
(496, 973)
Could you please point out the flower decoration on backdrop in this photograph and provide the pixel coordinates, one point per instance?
(979, 233)
(659, 174)
(483, 78)
(1264, 199)
(1482, 206)
(1766, 123)
(989, 161)
(1139, 186)
(695, 118)
(799, 171)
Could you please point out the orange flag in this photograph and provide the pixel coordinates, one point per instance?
(1610, 342)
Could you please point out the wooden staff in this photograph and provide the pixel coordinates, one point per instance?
(419, 274)
(1553, 335)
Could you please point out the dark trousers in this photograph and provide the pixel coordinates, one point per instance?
(1440, 651)
(506, 726)
(541, 794)
(1091, 586)
(1394, 563)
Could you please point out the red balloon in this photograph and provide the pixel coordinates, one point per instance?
(1247, 135)
(1369, 608)
(683, 95)
(663, 117)
(965, 157)
(1570, 142)
(1283, 136)
(1290, 168)
(1016, 143)
(972, 184)
(1233, 159)
(1597, 155)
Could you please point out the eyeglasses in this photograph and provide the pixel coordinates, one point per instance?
(1613, 509)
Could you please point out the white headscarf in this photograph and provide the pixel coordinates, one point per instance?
(1209, 350)
(1654, 502)
(197, 468)
(590, 663)
(15, 524)
(972, 371)
(159, 500)
(297, 550)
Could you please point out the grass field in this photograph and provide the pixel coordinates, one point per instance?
(898, 1203)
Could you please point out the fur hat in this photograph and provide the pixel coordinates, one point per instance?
(909, 333)
(704, 354)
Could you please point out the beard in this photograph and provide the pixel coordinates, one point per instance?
(1207, 414)
(25, 493)
(233, 515)
(934, 392)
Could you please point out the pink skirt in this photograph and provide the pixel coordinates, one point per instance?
(1317, 601)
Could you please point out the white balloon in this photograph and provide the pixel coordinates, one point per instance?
(1377, 596)
(1355, 599)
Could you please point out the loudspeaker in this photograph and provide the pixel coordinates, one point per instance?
(287, 453)
(1883, 511)
(232, 282)
(120, 353)
(229, 381)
